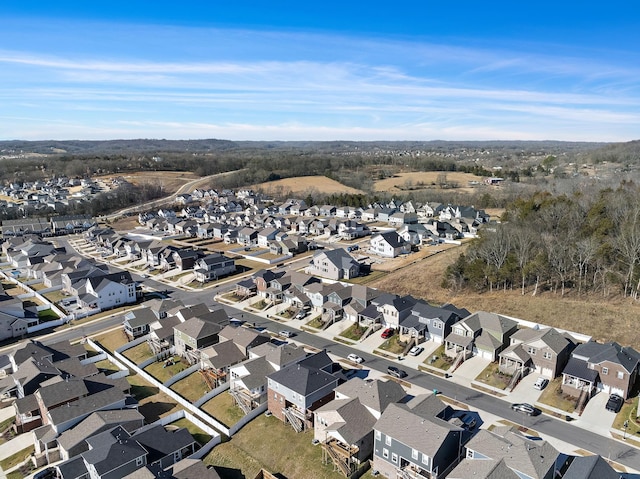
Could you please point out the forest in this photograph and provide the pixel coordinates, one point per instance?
(588, 242)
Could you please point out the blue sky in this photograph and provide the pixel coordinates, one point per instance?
(282, 70)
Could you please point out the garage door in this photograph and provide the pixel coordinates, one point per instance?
(618, 391)
(548, 372)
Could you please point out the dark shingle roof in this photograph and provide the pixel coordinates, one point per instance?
(159, 442)
(111, 449)
(580, 369)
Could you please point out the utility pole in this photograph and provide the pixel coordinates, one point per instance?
(625, 426)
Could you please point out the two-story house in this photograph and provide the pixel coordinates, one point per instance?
(483, 334)
(545, 351)
(389, 244)
(415, 439)
(213, 266)
(334, 264)
(431, 322)
(295, 391)
(594, 366)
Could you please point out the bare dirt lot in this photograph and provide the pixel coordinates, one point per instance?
(305, 185)
(606, 319)
(418, 180)
(170, 180)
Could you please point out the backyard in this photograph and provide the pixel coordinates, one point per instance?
(166, 369)
(192, 388)
(223, 409)
(198, 434)
(249, 452)
(107, 367)
(112, 340)
(138, 353)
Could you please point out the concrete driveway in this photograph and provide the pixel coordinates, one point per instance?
(524, 391)
(595, 417)
(469, 370)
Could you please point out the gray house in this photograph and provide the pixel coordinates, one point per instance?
(334, 264)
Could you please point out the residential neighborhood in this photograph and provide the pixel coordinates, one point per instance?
(212, 371)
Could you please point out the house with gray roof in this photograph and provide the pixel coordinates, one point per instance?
(432, 323)
(245, 338)
(591, 467)
(138, 322)
(297, 390)
(609, 367)
(113, 454)
(483, 334)
(334, 264)
(415, 439)
(195, 334)
(541, 350)
(73, 441)
(165, 447)
(527, 458)
(213, 266)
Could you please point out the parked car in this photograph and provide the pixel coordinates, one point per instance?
(302, 314)
(387, 333)
(541, 383)
(355, 358)
(525, 408)
(416, 350)
(397, 372)
(286, 334)
(614, 404)
(47, 473)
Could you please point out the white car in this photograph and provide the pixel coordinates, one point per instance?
(541, 383)
(286, 334)
(355, 358)
(414, 351)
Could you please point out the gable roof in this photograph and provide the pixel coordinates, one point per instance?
(489, 322)
(597, 353)
(375, 394)
(590, 467)
(355, 420)
(196, 328)
(159, 442)
(111, 449)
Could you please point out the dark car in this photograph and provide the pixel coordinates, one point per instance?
(396, 372)
(387, 333)
(47, 473)
(614, 404)
(525, 408)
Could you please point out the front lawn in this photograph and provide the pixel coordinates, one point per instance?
(192, 388)
(260, 304)
(316, 323)
(439, 360)
(249, 452)
(493, 377)
(17, 458)
(223, 408)
(628, 413)
(393, 345)
(354, 332)
(553, 396)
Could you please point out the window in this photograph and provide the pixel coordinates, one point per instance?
(387, 440)
(139, 461)
(394, 457)
(531, 351)
(385, 453)
(425, 459)
(378, 435)
(469, 454)
(605, 370)
(547, 355)
(620, 375)
(414, 454)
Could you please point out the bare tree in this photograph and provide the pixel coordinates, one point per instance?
(524, 246)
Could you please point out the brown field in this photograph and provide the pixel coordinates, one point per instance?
(606, 319)
(305, 185)
(171, 180)
(405, 181)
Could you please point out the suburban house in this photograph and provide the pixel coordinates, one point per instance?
(195, 334)
(295, 391)
(165, 447)
(593, 366)
(415, 439)
(334, 264)
(104, 291)
(213, 266)
(524, 457)
(138, 322)
(545, 351)
(395, 309)
(344, 426)
(389, 244)
(431, 322)
(483, 334)
(185, 259)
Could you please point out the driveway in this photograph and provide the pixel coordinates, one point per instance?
(524, 391)
(595, 417)
(468, 371)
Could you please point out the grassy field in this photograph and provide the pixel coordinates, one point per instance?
(419, 180)
(161, 373)
(223, 409)
(304, 185)
(248, 451)
(606, 319)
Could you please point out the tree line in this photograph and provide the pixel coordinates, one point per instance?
(588, 242)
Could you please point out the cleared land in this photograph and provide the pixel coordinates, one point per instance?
(170, 180)
(606, 319)
(305, 185)
(418, 180)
